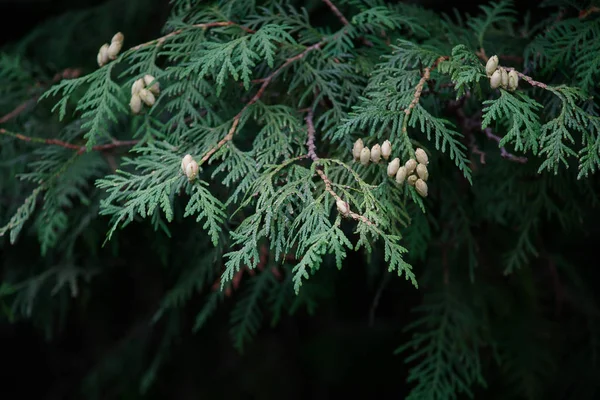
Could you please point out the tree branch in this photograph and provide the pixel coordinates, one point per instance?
(328, 186)
(419, 90)
(66, 145)
(159, 41)
(265, 82)
(337, 12)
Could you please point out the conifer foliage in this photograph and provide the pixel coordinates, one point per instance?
(270, 105)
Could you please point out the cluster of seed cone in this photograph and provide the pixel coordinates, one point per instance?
(189, 167)
(500, 77)
(139, 93)
(413, 171)
(365, 156)
(110, 51)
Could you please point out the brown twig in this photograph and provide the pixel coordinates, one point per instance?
(265, 82)
(481, 54)
(159, 41)
(237, 277)
(18, 110)
(503, 152)
(528, 79)
(337, 12)
(344, 21)
(419, 90)
(80, 149)
(585, 13)
(470, 124)
(328, 186)
(67, 73)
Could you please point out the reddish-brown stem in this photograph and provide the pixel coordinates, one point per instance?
(80, 149)
(18, 110)
(265, 82)
(68, 73)
(503, 152)
(328, 186)
(159, 41)
(419, 90)
(481, 54)
(337, 12)
(344, 21)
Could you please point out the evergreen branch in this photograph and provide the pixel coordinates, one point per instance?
(481, 54)
(312, 153)
(265, 82)
(528, 79)
(470, 124)
(80, 149)
(503, 152)
(337, 12)
(419, 90)
(68, 73)
(18, 110)
(344, 21)
(159, 41)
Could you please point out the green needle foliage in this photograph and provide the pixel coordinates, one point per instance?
(268, 98)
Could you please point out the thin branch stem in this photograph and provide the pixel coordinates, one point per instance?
(503, 152)
(344, 21)
(419, 90)
(328, 185)
(18, 110)
(481, 54)
(337, 12)
(66, 145)
(265, 82)
(159, 41)
(528, 79)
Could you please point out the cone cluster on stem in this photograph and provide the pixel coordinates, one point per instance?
(189, 167)
(110, 51)
(365, 155)
(143, 90)
(414, 171)
(500, 76)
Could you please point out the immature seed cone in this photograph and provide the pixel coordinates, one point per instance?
(192, 170)
(412, 179)
(513, 80)
(102, 55)
(421, 187)
(137, 86)
(343, 207)
(421, 156)
(135, 104)
(365, 156)
(504, 78)
(491, 65)
(356, 150)
(147, 97)
(376, 153)
(422, 172)
(115, 45)
(393, 167)
(496, 79)
(410, 166)
(401, 175)
(386, 149)
(155, 88)
(185, 161)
